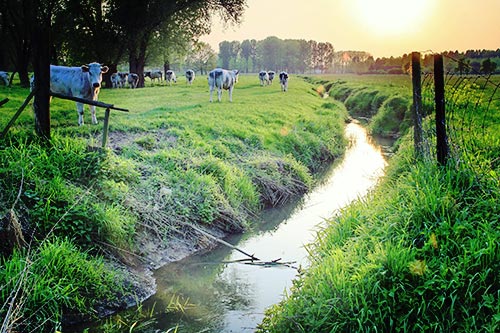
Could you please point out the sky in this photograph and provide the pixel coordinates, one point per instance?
(383, 28)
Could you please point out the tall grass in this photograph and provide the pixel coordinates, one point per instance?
(419, 254)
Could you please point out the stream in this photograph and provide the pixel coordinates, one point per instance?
(212, 292)
(219, 296)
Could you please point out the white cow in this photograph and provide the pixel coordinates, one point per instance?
(271, 76)
(170, 76)
(190, 75)
(284, 81)
(4, 77)
(115, 80)
(264, 78)
(83, 82)
(133, 80)
(154, 75)
(222, 78)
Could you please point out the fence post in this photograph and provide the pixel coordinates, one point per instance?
(105, 128)
(439, 99)
(417, 104)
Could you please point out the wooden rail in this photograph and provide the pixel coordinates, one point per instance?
(108, 107)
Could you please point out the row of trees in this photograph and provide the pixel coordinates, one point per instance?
(107, 31)
(273, 53)
(477, 62)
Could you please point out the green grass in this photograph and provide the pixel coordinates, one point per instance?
(419, 254)
(174, 158)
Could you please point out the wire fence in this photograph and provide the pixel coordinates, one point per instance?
(471, 111)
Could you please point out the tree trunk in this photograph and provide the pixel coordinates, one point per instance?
(106, 77)
(41, 66)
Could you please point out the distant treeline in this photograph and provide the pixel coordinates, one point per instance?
(302, 56)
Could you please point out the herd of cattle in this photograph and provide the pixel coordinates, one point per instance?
(85, 81)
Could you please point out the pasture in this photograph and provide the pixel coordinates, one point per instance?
(175, 159)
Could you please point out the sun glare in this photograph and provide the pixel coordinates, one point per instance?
(390, 17)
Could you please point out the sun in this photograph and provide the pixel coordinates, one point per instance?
(391, 17)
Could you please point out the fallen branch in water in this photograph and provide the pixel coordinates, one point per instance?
(251, 256)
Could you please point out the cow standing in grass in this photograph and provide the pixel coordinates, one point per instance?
(222, 79)
(132, 80)
(154, 75)
(264, 78)
(170, 77)
(190, 75)
(284, 81)
(271, 76)
(83, 82)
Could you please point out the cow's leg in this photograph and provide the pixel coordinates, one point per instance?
(231, 93)
(211, 93)
(79, 109)
(92, 111)
(219, 94)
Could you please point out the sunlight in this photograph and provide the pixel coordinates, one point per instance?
(391, 17)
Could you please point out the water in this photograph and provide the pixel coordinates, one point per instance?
(218, 296)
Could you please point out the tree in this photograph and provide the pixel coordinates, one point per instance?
(202, 57)
(488, 66)
(142, 20)
(16, 32)
(248, 50)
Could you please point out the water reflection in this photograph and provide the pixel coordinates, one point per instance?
(233, 297)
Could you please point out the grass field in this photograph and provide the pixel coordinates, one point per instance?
(174, 159)
(422, 252)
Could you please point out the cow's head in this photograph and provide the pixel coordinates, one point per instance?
(95, 71)
(236, 72)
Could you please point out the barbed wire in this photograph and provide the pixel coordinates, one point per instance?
(471, 103)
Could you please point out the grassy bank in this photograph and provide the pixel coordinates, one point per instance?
(175, 159)
(419, 254)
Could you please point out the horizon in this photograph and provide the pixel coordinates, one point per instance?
(382, 28)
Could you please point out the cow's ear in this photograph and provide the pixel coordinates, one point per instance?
(104, 69)
(85, 68)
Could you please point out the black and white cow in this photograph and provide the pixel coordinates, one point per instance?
(284, 81)
(222, 79)
(271, 76)
(190, 75)
(115, 80)
(264, 78)
(4, 78)
(154, 75)
(132, 80)
(170, 77)
(123, 76)
(83, 82)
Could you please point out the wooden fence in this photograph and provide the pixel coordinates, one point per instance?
(108, 108)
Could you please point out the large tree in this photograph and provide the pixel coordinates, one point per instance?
(142, 20)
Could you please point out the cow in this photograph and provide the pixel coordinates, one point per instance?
(190, 76)
(123, 79)
(271, 76)
(115, 80)
(284, 81)
(222, 78)
(133, 80)
(170, 76)
(154, 75)
(83, 82)
(4, 77)
(264, 78)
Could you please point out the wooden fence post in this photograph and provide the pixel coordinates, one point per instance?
(417, 104)
(105, 128)
(439, 99)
